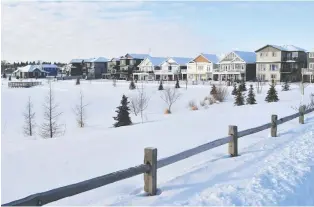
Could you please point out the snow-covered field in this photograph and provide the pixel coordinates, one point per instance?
(268, 170)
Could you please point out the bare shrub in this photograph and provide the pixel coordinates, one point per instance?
(211, 100)
(170, 96)
(29, 119)
(221, 93)
(139, 103)
(114, 82)
(203, 103)
(192, 103)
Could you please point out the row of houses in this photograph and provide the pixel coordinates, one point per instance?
(270, 62)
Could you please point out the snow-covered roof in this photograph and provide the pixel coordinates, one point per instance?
(138, 56)
(76, 61)
(211, 57)
(182, 60)
(99, 60)
(289, 48)
(157, 60)
(30, 68)
(248, 57)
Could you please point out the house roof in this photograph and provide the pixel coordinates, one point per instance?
(99, 60)
(182, 60)
(157, 60)
(29, 68)
(211, 57)
(49, 65)
(248, 57)
(76, 60)
(289, 48)
(138, 56)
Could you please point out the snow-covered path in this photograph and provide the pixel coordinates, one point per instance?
(276, 171)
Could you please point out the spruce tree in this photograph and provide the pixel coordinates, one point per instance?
(239, 100)
(286, 86)
(123, 118)
(77, 82)
(132, 85)
(10, 78)
(214, 90)
(234, 91)
(251, 96)
(177, 84)
(4, 75)
(272, 94)
(244, 86)
(161, 87)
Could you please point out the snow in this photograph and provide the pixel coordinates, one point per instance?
(268, 171)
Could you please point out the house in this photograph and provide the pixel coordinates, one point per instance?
(236, 65)
(113, 66)
(52, 70)
(128, 64)
(280, 63)
(172, 68)
(308, 73)
(30, 71)
(148, 67)
(77, 67)
(95, 67)
(201, 67)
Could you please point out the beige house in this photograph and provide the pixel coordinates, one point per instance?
(201, 67)
(280, 63)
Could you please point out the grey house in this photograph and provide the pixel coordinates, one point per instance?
(308, 72)
(280, 63)
(94, 68)
(113, 66)
(128, 64)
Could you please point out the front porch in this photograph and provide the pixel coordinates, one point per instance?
(229, 77)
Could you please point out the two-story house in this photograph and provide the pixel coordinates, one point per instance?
(201, 67)
(148, 67)
(129, 63)
(308, 73)
(280, 63)
(173, 68)
(95, 67)
(76, 67)
(236, 65)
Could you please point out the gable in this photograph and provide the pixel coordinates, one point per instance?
(201, 59)
(237, 59)
(268, 48)
(229, 57)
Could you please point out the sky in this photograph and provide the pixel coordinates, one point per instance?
(63, 30)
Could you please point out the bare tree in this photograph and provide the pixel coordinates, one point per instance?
(80, 111)
(139, 103)
(170, 96)
(305, 107)
(50, 128)
(114, 82)
(259, 86)
(29, 118)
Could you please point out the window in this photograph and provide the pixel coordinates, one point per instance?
(273, 76)
(261, 54)
(274, 54)
(208, 67)
(266, 54)
(311, 55)
(311, 66)
(200, 67)
(273, 67)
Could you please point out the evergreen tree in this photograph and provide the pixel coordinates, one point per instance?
(239, 99)
(10, 78)
(123, 118)
(132, 85)
(286, 86)
(234, 91)
(251, 96)
(161, 87)
(272, 94)
(77, 81)
(214, 90)
(177, 84)
(4, 75)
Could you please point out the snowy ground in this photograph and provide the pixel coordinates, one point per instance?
(268, 171)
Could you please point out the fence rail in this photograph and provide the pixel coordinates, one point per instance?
(23, 84)
(151, 164)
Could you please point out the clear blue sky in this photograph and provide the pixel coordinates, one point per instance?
(89, 29)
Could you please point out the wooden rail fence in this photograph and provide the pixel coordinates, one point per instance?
(23, 84)
(151, 164)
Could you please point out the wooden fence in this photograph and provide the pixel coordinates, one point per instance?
(151, 164)
(23, 84)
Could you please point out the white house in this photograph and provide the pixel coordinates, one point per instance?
(201, 67)
(30, 71)
(173, 68)
(148, 67)
(237, 65)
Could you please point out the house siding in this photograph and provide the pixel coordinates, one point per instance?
(250, 73)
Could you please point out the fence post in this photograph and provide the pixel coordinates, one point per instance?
(273, 129)
(301, 117)
(233, 145)
(150, 178)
